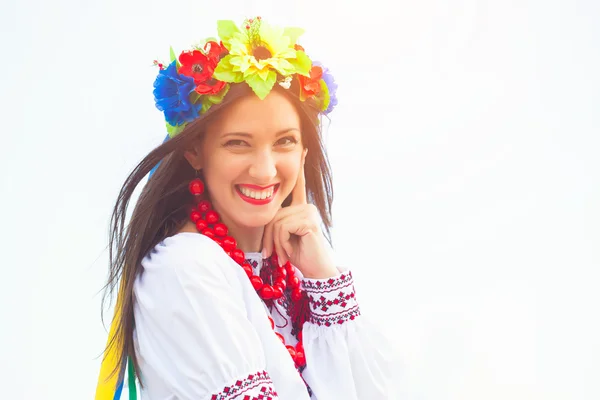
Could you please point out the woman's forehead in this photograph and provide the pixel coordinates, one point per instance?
(253, 116)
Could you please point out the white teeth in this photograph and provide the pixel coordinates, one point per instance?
(257, 194)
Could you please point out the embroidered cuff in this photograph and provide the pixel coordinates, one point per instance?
(333, 300)
(253, 387)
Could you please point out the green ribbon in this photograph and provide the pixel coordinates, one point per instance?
(131, 380)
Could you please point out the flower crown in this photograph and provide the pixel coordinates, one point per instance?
(256, 53)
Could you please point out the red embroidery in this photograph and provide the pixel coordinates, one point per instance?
(332, 284)
(324, 303)
(332, 301)
(255, 387)
(335, 318)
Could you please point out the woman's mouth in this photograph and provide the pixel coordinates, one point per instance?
(254, 195)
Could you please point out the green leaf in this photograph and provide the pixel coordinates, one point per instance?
(224, 71)
(293, 33)
(174, 130)
(209, 100)
(205, 107)
(218, 98)
(302, 63)
(195, 96)
(262, 87)
(226, 30)
(174, 57)
(324, 95)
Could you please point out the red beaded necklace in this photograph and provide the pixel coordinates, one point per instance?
(284, 277)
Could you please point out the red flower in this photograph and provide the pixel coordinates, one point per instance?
(311, 86)
(201, 66)
(196, 65)
(215, 51)
(211, 86)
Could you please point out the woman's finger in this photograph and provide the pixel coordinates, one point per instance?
(281, 255)
(285, 236)
(267, 242)
(299, 191)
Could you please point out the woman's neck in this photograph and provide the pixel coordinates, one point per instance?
(249, 240)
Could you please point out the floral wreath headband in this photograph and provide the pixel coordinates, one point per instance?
(257, 53)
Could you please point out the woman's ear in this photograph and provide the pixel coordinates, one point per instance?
(194, 155)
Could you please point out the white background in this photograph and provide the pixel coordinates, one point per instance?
(465, 156)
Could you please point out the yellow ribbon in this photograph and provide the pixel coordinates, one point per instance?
(107, 384)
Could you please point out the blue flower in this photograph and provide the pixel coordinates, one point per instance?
(331, 86)
(172, 96)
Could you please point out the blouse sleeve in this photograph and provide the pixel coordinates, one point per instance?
(194, 338)
(346, 357)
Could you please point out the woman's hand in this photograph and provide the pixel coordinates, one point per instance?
(296, 236)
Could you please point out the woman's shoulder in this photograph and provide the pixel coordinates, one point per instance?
(184, 250)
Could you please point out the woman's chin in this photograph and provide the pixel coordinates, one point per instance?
(256, 221)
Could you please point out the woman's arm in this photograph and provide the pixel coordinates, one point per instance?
(346, 357)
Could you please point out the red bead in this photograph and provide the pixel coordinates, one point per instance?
(195, 216)
(201, 225)
(218, 241)
(277, 291)
(281, 282)
(296, 294)
(208, 232)
(247, 269)
(272, 323)
(291, 271)
(281, 272)
(280, 336)
(238, 256)
(300, 359)
(212, 217)
(220, 229)
(257, 282)
(299, 335)
(299, 346)
(294, 282)
(266, 292)
(292, 351)
(204, 206)
(229, 243)
(196, 187)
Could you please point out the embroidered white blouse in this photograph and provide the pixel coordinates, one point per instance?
(202, 332)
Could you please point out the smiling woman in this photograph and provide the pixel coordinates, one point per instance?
(225, 286)
(244, 159)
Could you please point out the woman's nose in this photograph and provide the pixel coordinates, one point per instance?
(263, 167)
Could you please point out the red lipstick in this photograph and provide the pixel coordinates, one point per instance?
(257, 202)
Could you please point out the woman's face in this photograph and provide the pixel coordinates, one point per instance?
(250, 157)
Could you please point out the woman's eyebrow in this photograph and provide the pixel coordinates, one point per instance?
(249, 135)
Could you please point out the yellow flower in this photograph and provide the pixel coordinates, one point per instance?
(258, 52)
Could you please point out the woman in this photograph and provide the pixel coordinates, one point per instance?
(227, 288)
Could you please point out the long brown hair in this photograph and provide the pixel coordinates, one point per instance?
(162, 207)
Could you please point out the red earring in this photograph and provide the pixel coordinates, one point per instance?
(196, 186)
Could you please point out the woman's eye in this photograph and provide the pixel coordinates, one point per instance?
(235, 142)
(288, 140)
